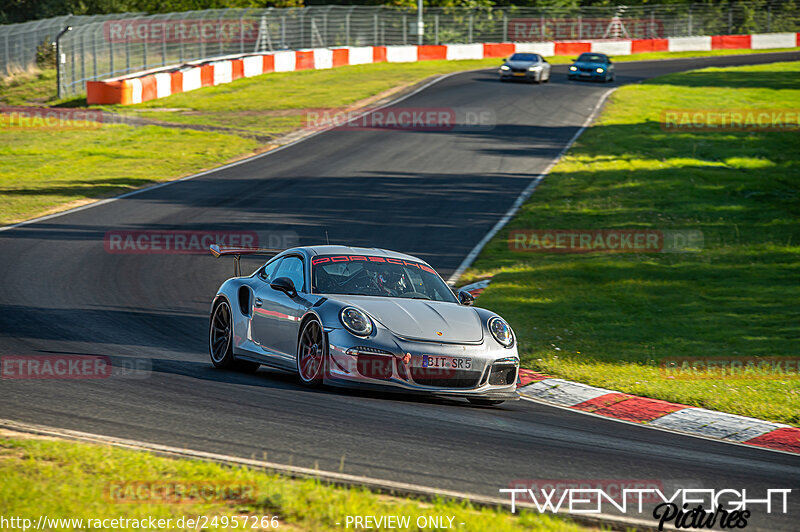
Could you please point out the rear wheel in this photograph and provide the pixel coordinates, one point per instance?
(484, 402)
(220, 341)
(311, 354)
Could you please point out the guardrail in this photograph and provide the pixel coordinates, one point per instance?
(159, 83)
(116, 45)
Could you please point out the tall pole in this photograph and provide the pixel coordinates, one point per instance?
(57, 43)
(420, 27)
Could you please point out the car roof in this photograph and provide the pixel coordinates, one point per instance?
(350, 250)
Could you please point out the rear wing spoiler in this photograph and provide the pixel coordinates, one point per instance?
(220, 251)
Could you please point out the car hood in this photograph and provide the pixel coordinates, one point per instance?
(419, 319)
(585, 64)
(520, 64)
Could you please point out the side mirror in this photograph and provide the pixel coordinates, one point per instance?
(285, 285)
(505, 59)
(465, 298)
(574, 59)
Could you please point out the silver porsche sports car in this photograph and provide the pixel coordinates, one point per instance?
(361, 317)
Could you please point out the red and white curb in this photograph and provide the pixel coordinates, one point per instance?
(653, 412)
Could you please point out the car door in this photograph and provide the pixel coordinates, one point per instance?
(276, 316)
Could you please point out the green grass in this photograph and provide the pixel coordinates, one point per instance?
(29, 88)
(609, 319)
(62, 479)
(45, 170)
(42, 170)
(275, 103)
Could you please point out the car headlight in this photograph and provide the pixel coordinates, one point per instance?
(501, 332)
(573, 68)
(533, 68)
(356, 321)
(599, 70)
(505, 67)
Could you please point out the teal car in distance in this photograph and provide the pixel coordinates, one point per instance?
(592, 66)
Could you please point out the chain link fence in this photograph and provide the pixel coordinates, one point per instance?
(115, 45)
(20, 43)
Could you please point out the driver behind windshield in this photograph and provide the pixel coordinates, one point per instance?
(376, 276)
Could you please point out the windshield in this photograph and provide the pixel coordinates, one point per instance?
(377, 276)
(524, 57)
(592, 58)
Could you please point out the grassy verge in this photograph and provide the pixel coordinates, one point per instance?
(611, 319)
(61, 479)
(45, 169)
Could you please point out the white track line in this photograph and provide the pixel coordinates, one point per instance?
(386, 486)
(470, 258)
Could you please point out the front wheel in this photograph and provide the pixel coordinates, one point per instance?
(220, 341)
(311, 354)
(484, 402)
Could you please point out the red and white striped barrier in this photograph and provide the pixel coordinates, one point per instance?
(144, 86)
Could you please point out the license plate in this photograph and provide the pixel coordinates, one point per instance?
(518, 74)
(442, 362)
(585, 74)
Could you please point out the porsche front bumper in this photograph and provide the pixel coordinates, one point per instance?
(388, 363)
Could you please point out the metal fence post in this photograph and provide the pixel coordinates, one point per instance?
(689, 33)
(652, 24)
(127, 54)
(405, 30)
(6, 55)
(580, 27)
(144, 51)
(730, 19)
(83, 57)
(94, 55)
(541, 24)
(111, 56)
(469, 40)
(505, 26)
(769, 18)
(241, 33)
(163, 46)
(347, 29)
(220, 35)
(375, 19)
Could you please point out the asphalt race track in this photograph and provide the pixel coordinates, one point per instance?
(430, 193)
